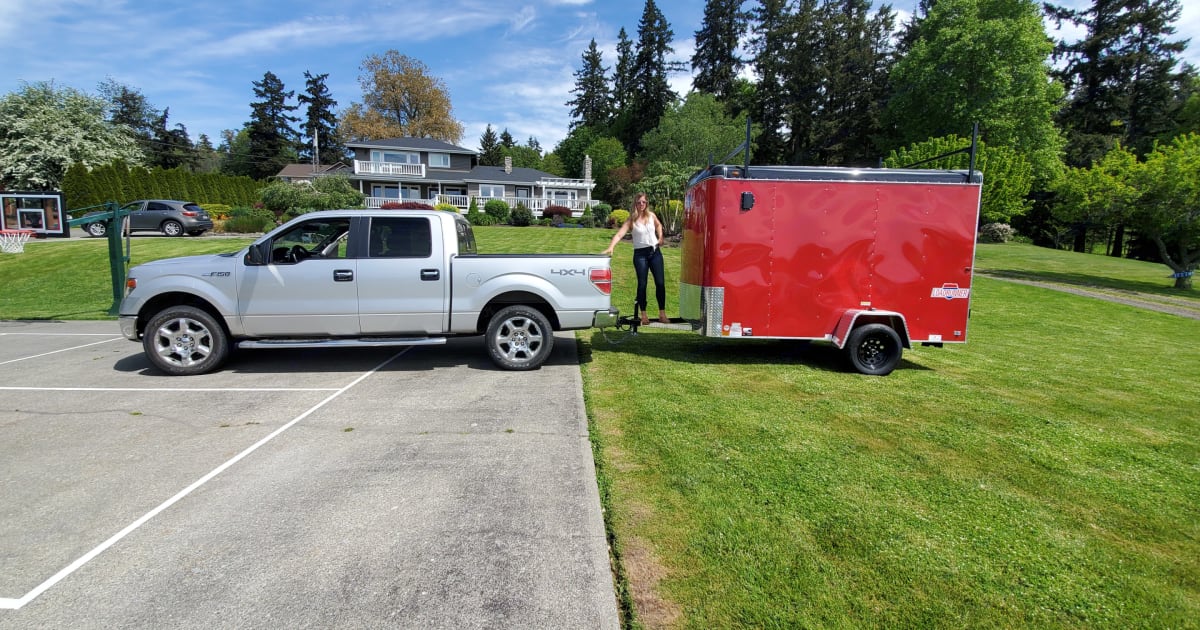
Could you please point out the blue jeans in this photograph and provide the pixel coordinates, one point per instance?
(649, 259)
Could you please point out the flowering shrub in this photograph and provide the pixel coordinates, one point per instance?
(405, 205)
(556, 211)
(996, 233)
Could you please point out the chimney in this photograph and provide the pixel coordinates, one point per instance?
(508, 164)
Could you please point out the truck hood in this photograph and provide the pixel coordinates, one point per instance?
(199, 263)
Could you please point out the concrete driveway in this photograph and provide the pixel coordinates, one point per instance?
(296, 488)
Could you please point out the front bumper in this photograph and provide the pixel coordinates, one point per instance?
(129, 327)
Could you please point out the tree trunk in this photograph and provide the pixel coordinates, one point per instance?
(1118, 246)
(1184, 283)
(1080, 239)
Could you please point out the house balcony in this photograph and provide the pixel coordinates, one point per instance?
(389, 169)
(463, 202)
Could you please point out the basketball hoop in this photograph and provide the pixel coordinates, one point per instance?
(13, 241)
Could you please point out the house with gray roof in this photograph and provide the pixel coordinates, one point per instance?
(431, 171)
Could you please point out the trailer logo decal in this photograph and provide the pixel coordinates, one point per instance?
(950, 291)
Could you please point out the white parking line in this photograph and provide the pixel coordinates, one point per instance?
(169, 389)
(14, 604)
(57, 351)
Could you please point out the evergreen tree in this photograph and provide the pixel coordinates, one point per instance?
(622, 83)
(320, 123)
(128, 107)
(592, 105)
(171, 148)
(209, 160)
(533, 143)
(715, 62)
(652, 93)
(489, 148)
(1119, 76)
(271, 137)
(769, 45)
(506, 139)
(856, 61)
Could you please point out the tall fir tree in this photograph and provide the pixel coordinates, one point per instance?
(622, 82)
(489, 148)
(652, 93)
(171, 148)
(272, 140)
(715, 63)
(506, 139)
(1119, 76)
(769, 42)
(855, 65)
(320, 122)
(592, 105)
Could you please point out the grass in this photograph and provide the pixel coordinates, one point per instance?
(1044, 475)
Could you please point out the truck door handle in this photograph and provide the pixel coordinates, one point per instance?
(343, 275)
(430, 274)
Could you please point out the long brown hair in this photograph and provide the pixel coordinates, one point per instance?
(642, 213)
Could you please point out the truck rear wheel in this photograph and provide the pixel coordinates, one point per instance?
(874, 349)
(519, 338)
(185, 340)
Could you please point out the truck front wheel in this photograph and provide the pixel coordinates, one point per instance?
(874, 349)
(185, 340)
(519, 338)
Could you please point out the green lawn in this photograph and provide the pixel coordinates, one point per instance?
(1044, 475)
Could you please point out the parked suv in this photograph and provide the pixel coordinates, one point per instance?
(172, 218)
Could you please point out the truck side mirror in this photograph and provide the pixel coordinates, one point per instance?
(255, 256)
(747, 201)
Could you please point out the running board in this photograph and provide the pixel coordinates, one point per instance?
(363, 342)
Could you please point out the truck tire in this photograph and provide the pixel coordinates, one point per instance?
(874, 349)
(519, 338)
(185, 340)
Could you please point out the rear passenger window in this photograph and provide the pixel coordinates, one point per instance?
(400, 237)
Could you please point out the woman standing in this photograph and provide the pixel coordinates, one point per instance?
(647, 255)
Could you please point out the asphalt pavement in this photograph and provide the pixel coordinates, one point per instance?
(411, 488)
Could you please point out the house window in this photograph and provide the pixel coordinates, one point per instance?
(439, 160)
(562, 196)
(387, 192)
(396, 157)
(410, 192)
(491, 190)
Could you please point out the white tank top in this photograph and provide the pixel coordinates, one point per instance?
(644, 234)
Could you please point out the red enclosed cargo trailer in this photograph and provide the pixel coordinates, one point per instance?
(872, 260)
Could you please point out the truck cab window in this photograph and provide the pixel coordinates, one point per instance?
(400, 237)
(312, 239)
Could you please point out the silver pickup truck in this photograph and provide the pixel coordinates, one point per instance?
(356, 278)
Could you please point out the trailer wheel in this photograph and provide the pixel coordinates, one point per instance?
(519, 338)
(874, 349)
(184, 340)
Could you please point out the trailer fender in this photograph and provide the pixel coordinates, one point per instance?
(854, 318)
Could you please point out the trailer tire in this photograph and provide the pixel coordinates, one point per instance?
(519, 338)
(185, 340)
(874, 349)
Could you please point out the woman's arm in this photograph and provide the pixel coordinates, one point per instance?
(620, 233)
(658, 230)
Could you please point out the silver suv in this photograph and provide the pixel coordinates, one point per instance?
(172, 218)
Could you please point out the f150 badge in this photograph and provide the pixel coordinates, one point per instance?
(950, 291)
(215, 274)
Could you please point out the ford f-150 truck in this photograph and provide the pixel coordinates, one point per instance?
(362, 278)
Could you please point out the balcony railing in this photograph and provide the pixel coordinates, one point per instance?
(463, 202)
(394, 169)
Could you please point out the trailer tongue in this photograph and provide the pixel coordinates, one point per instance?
(871, 260)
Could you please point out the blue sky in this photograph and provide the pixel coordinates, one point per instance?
(509, 64)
